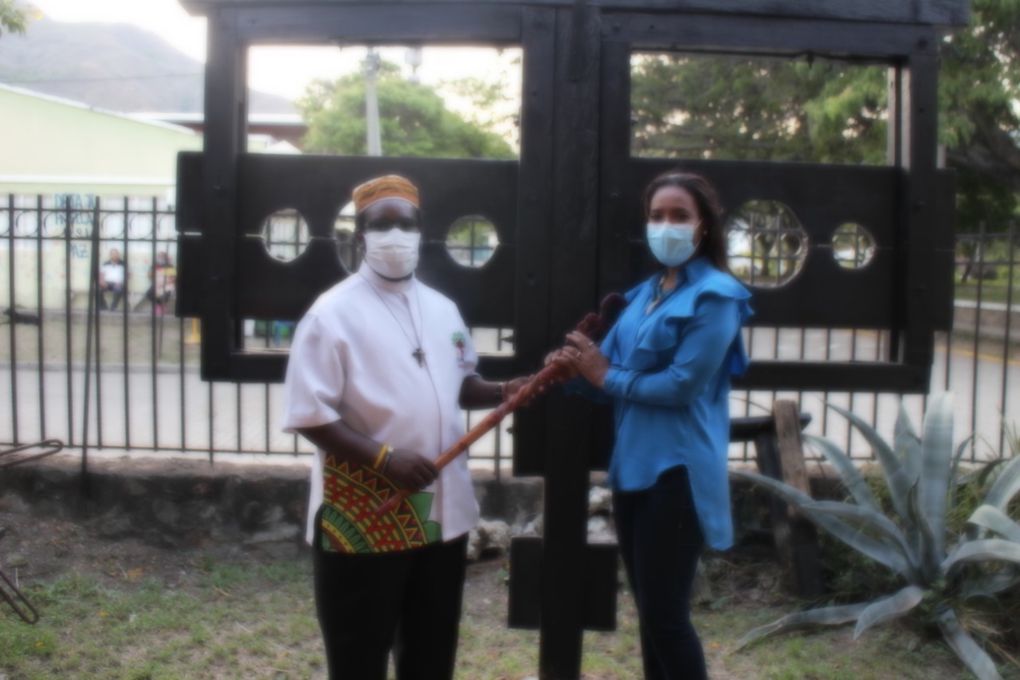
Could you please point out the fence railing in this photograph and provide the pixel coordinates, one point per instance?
(134, 385)
(132, 382)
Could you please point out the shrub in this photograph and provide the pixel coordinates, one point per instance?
(940, 567)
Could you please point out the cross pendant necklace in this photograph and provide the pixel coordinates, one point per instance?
(418, 353)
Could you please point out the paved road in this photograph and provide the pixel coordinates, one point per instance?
(145, 411)
(985, 418)
(140, 410)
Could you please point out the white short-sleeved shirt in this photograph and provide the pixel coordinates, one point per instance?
(352, 359)
(113, 272)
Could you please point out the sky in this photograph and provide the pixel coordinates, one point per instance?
(284, 71)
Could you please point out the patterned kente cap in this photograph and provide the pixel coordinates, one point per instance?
(387, 186)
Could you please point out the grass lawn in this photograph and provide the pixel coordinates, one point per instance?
(255, 619)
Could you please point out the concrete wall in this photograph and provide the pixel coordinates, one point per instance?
(182, 502)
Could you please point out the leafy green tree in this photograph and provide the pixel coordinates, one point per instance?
(750, 108)
(979, 103)
(13, 17)
(495, 99)
(414, 120)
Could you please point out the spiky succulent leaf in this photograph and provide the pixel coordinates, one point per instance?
(884, 528)
(991, 518)
(988, 549)
(990, 585)
(954, 478)
(852, 477)
(888, 608)
(1006, 485)
(921, 537)
(896, 477)
(961, 448)
(937, 446)
(907, 444)
(882, 552)
(823, 616)
(968, 651)
(987, 471)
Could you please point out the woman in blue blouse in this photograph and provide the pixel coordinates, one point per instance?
(666, 367)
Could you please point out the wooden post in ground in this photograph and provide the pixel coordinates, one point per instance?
(780, 455)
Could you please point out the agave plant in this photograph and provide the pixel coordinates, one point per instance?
(913, 541)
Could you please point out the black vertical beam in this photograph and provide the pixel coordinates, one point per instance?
(225, 130)
(919, 121)
(894, 119)
(534, 225)
(616, 225)
(574, 280)
(898, 149)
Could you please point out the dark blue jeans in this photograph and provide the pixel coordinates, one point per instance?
(660, 543)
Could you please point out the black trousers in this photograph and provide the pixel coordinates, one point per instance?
(116, 289)
(660, 543)
(408, 602)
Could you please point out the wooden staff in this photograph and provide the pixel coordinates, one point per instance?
(595, 326)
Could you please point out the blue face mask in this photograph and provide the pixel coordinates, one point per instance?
(671, 244)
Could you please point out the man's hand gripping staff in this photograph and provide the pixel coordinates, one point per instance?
(594, 326)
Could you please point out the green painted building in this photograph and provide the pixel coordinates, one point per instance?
(70, 155)
(56, 146)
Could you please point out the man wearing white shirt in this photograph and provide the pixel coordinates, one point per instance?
(111, 279)
(379, 369)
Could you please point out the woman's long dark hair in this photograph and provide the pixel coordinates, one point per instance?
(713, 240)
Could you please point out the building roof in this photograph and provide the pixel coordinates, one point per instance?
(94, 109)
(194, 118)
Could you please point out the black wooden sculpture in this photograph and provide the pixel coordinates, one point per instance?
(565, 217)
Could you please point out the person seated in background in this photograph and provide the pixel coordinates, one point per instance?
(111, 280)
(163, 277)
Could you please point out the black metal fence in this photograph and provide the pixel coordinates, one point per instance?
(127, 379)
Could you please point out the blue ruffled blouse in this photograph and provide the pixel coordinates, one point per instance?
(669, 381)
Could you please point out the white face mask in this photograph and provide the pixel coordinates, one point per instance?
(393, 253)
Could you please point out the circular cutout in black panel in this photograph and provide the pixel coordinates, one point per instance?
(285, 234)
(853, 246)
(472, 240)
(767, 244)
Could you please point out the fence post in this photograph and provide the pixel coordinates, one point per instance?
(780, 455)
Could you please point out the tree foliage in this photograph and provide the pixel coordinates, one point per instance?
(979, 103)
(759, 108)
(414, 120)
(13, 17)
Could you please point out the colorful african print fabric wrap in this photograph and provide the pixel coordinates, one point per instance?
(349, 520)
